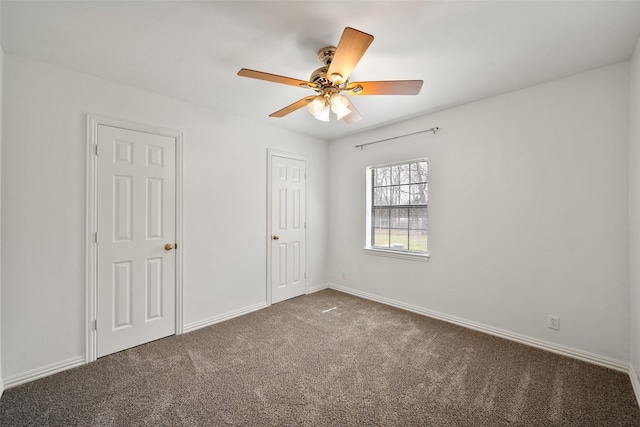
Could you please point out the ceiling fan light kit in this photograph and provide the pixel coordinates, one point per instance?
(332, 79)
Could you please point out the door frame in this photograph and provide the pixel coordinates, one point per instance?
(91, 223)
(276, 153)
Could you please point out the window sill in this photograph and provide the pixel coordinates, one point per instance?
(397, 254)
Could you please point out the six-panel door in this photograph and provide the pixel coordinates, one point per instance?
(136, 219)
(288, 222)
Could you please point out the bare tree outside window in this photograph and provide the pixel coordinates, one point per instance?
(399, 203)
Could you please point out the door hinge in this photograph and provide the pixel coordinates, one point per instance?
(305, 274)
(95, 324)
(95, 237)
(96, 149)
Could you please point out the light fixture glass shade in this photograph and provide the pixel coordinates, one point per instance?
(324, 114)
(340, 105)
(316, 106)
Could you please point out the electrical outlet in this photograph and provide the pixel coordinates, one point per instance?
(344, 276)
(554, 322)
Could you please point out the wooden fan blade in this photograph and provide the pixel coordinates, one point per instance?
(353, 116)
(274, 78)
(389, 87)
(293, 107)
(352, 45)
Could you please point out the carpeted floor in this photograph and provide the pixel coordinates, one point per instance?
(361, 364)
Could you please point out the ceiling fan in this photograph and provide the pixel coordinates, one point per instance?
(332, 80)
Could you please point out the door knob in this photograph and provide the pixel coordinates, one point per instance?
(276, 237)
(168, 247)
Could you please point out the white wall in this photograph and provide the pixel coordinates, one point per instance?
(528, 212)
(43, 199)
(634, 211)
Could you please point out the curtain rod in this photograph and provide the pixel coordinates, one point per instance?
(433, 129)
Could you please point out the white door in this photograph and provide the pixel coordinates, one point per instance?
(288, 228)
(136, 218)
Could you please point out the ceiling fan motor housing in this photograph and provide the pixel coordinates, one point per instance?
(319, 77)
(325, 55)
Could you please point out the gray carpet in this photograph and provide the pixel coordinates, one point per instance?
(362, 364)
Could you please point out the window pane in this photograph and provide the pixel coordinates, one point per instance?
(419, 194)
(399, 218)
(399, 225)
(399, 239)
(400, 174)
(380, 218)
(381, 196)
(394, 195)
(418, 219)
(380, 237)
(381, 176)
(403, 195)
(418, 240)
(419, 172)
(399, 194)
(395, 175)
(404, 174)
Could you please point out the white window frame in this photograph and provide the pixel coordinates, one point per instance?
(393, 253)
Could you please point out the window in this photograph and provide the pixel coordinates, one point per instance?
(397, 201)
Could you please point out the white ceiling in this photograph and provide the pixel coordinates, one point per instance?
(463, 51)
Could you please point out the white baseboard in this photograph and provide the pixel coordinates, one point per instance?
(635, 382)
(317, 288)
(523, 339)
(222, 317)
(44, 371)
